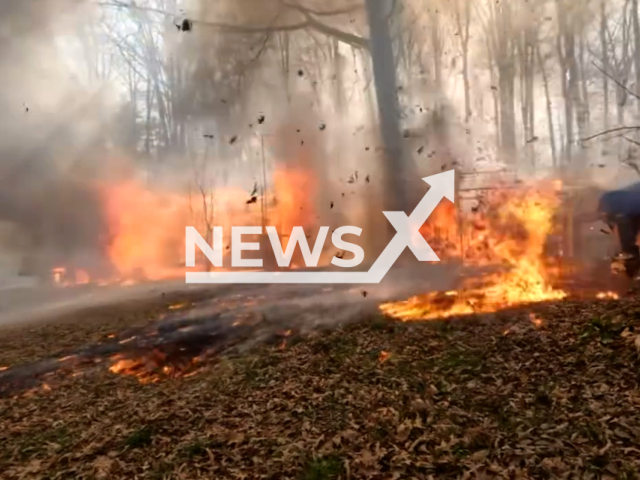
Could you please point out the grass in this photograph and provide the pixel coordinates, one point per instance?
(140, 438)
(327, 468)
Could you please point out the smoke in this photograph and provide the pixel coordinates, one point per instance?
(47, 132)
(225, 93)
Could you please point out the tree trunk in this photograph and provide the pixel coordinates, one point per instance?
(436, 46)
(463, 25)
(584, 90)
(605, 61)
(494, 92)
(636, 47)
(506, 88)
(565, 76)
(506, 92)
(337, 78)
(149, 106)
(545, 81)
(395, 167)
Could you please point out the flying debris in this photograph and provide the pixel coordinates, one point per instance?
(253, 196)
(233, 140)
(322, 126)
(261, 119)
(185, 26)
(208, 135)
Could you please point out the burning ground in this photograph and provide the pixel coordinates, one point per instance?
(508, 368)
(540, 392)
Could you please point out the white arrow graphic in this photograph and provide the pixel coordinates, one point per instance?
(407, 235)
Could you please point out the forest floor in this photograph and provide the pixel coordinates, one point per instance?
(548, 391)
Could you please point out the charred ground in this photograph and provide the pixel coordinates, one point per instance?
(537, 392)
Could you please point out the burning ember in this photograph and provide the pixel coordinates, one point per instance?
(153, 367)
(62, 278)
(608, 296)
(509, 230)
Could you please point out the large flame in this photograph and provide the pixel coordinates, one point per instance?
(510, 232)
(146, 225)
(145, 228)
(294, 200)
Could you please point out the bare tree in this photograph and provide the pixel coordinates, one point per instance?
(384, 70)
(462, 15)
(604, 57)
(549, 106)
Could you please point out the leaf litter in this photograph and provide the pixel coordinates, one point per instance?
(550, 391)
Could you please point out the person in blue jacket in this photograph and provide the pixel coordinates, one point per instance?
(620, 209)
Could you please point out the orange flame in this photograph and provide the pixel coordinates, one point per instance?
(511, 233)
(146, 225)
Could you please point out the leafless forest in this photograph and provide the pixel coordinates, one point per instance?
(255, 107)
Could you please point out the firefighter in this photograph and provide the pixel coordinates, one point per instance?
(620, 209)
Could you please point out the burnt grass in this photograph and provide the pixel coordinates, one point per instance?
(497, 396)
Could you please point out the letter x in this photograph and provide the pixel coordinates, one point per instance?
(408, 228)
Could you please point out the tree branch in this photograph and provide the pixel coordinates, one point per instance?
(344, 37)
(220, 26)
(310, 22)
(611, 130)
(324, 13)
(631, 141)
(616, 81)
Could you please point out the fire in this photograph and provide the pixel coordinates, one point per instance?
(608, 296)
(58, 274)
(294, 203)
(153, 367)
(61, 277)
(510, 233)
(146, 225)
